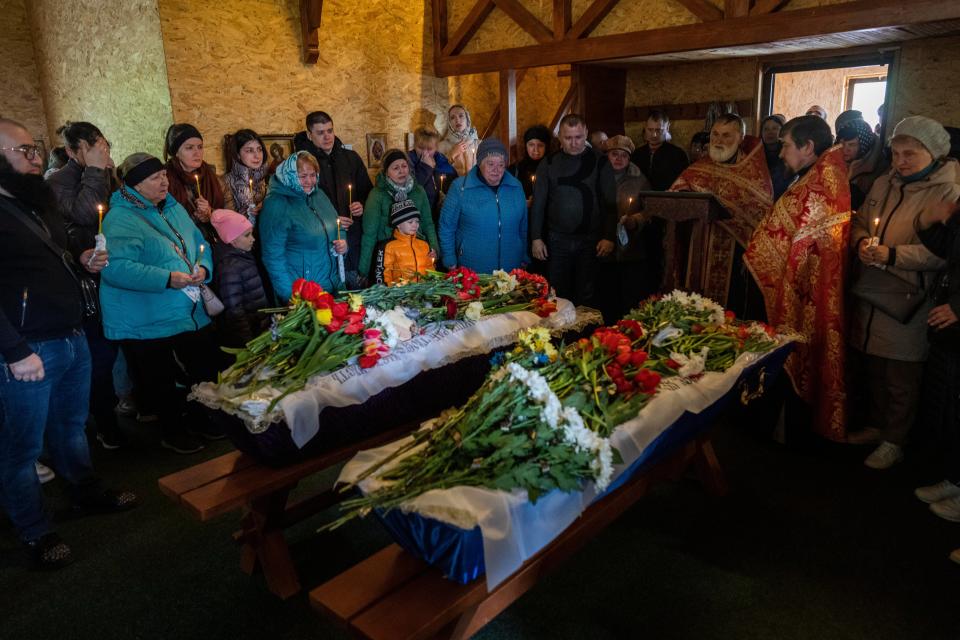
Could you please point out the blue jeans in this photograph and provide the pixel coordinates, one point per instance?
(53, 410)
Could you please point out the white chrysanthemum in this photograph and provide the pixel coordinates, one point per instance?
(396, 326)
(474, 310)
(757, 330)
(503, 282)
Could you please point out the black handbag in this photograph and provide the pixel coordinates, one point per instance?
(889, 293)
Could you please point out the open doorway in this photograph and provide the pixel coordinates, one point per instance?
(836, 84)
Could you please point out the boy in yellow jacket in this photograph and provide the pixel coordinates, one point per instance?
(405, 256)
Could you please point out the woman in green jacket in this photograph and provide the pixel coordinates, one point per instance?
(298, 229)
(395, 183)
(150, 299)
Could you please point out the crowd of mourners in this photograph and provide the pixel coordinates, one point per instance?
(121, 281)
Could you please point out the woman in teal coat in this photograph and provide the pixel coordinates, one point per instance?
(395, 183)
(298, 229)
(150, 298)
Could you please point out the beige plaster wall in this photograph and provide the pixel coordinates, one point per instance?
(102, 61)
(20, 99)
(929, 81)
(795, 92)
(721, 80)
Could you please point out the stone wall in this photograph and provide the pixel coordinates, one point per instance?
(102, 61)
(21, 99)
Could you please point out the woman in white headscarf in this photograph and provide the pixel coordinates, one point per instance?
(460, 143)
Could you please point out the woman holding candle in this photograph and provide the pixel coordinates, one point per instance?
(460, 143)
(483, 224)
(889, 330)
(394, 184)
(82, 189)
(151, 301)
(298, 229)
(244, 186)
(536, 142)
(193, 182)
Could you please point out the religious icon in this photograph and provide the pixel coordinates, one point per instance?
(376, 145)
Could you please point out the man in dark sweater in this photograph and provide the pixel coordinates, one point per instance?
(343, 178)
(576, 196)
(661, 161)
(45, 368)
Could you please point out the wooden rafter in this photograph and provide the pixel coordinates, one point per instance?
(702, 9)
(439, 8)
(508, 112)
(733, 32)
(565, 106)
(594, 14)
(768, 6)
(470, 24)
(562, 12)
(736, 8)
(310, 12)
(494, 119)
(527, 21)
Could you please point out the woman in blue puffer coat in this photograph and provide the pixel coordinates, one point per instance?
(298, 229)
(483, 223)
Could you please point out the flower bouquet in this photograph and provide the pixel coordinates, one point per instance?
(317, 335)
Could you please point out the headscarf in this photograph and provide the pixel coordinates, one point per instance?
(287, 173)
(455, 137)
(860, 130)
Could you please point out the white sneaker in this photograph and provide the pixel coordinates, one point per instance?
(937, 492)
(948, 509)
(44, 473)
(884, 456)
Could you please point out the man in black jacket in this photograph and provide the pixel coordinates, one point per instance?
(45, 368)
(661, 161)
(343, 178)
(576, 197)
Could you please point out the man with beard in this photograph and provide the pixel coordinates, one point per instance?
(736, 174)
(45, 388)
(343, 178)
(575, 196)
(799, 258)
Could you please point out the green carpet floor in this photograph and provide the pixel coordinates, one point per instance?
(807, 544)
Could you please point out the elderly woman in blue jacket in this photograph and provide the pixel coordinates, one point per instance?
(150, 299)
(298, 228)
(483, 223)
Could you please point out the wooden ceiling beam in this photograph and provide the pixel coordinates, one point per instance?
(566, 104)
(749, 30)
(310, 13)
(705, 11)
(562, 16)
(487, 130)
(468, 27)
(439, 9)
(592, 17)
(527, 21)
(768, 6)
(736, 8)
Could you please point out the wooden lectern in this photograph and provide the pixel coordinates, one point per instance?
(687, 235)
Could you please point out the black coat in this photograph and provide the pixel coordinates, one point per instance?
(943, 240)
(78, 191)
(663, 166)
(236, 279)
(339, 168)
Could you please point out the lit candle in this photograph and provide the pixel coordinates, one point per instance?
(196, 177)
(100, 217)
(338, 228)
(251, 188)
(199, 257)
(442, 176)
(349, 195)
(629, 203)
(533, 181)
(875, 239)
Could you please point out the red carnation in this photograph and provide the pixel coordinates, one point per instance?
(366, 362)
(638, 357)
(729, 315)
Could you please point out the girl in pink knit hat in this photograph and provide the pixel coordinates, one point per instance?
(237, 281)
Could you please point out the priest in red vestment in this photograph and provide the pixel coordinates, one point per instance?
(798, 256)
(736, 174)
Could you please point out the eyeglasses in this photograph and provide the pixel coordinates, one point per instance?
(29, 150)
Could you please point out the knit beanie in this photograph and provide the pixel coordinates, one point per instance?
(184, 133)
(230, 225)
(403, 211)
(537, 132)
(928, 132)
(392, 156)
(491, 146)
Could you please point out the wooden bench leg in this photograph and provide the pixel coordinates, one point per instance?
(709, 470)
(265, 545)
